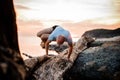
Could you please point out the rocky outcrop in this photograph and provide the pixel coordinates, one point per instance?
(102, 33)
(55, 67)
(97, 60)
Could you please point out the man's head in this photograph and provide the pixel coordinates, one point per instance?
(60, 39)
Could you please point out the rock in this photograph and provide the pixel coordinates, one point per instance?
(91, 59)
(100, 62)
(102, 33)
(55, 47)
(55, 67)
(12, 66)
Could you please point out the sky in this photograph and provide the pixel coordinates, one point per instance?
(74, 10)
(77, 16)
(36, 15)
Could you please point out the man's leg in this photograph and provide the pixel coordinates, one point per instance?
(45, 31)
(44, 38)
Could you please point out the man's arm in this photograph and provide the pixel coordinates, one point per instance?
(47, 46)
(70, 50)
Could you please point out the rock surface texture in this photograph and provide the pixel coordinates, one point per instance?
(92, 59)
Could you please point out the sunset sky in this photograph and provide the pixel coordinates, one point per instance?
(75, 10)
(35, 15)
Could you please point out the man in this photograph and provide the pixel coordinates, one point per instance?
(58, 34)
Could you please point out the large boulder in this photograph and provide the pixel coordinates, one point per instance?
(102, 33)
(101, 61)
(97, 63)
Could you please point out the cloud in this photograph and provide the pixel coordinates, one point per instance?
(29, 28)
(63, 9)
(21, 7)
(116, 7)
